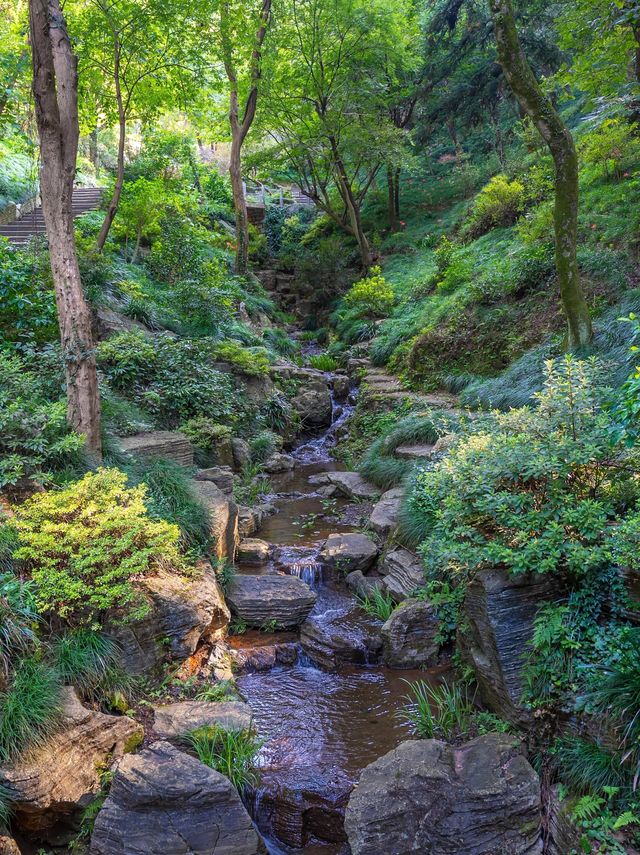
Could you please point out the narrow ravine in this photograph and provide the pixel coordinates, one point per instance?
(321, 724)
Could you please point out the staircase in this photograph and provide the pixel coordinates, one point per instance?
(19, 233)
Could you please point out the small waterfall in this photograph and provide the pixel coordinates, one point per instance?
(316, 450)
(311, 573)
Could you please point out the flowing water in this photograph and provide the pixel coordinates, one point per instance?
(321, 727)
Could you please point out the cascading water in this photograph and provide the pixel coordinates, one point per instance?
(321, 727)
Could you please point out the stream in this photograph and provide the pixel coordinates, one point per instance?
(320, 727)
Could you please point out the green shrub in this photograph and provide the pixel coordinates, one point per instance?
(263, 445)
(499, 203)
(34, 434)
(233, 753)
(372, 296)
(610, 146)
(280, 342)
(205, 433)
(173, 379)
(31, 708)
(86, 545)
(528, 490)
(252, 361)
(27, 301)
(323, 362)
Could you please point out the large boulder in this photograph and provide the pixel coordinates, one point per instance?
(409, 636)
(183, 610)
(363, 586)
(260, 600)
(384, 516)
(352, 485)
(164, 802)
(52, 785)
(313, 400)
(304, 808)
(349, 552)
(498, 615)
(338, 635)
(221, 476)
(174, 721)
(8, 846)
(223, 519)
(279, 462)
(403, 572)
(428, 797)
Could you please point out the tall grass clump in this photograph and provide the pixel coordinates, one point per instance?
(90, 661)
(31, 708)
(233, 753)
(379, 604)
(379, 464)
(437, 711)
(171, 497)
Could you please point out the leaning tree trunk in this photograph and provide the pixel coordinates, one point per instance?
(114, 202)
(55, 89)
(560, 142)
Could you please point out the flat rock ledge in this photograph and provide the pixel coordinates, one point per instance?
(260, 600)
(164, 802)
(174, 721)
(427, 797)
(349, 552)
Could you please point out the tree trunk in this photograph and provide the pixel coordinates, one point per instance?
(353, 207)
(391, 199)
(55, 89)
(240, 128)
(558, 138)
(396, 191)
(240, 206)
(122, 136)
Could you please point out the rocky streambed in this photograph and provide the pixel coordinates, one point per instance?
(321, 698)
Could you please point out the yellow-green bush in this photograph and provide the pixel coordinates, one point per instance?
(86, 546)
(499, 203)
(252, 361)
(373, 296)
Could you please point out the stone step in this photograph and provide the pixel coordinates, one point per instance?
(414, 452)
(160, 443)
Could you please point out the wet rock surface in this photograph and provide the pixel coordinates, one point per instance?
(481, 798)
(164, 802)
(338, 631)
(173, 721)
(53, 784)
(259, 600)
(409, 636)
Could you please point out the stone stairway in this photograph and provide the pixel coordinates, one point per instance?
(21, 231)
